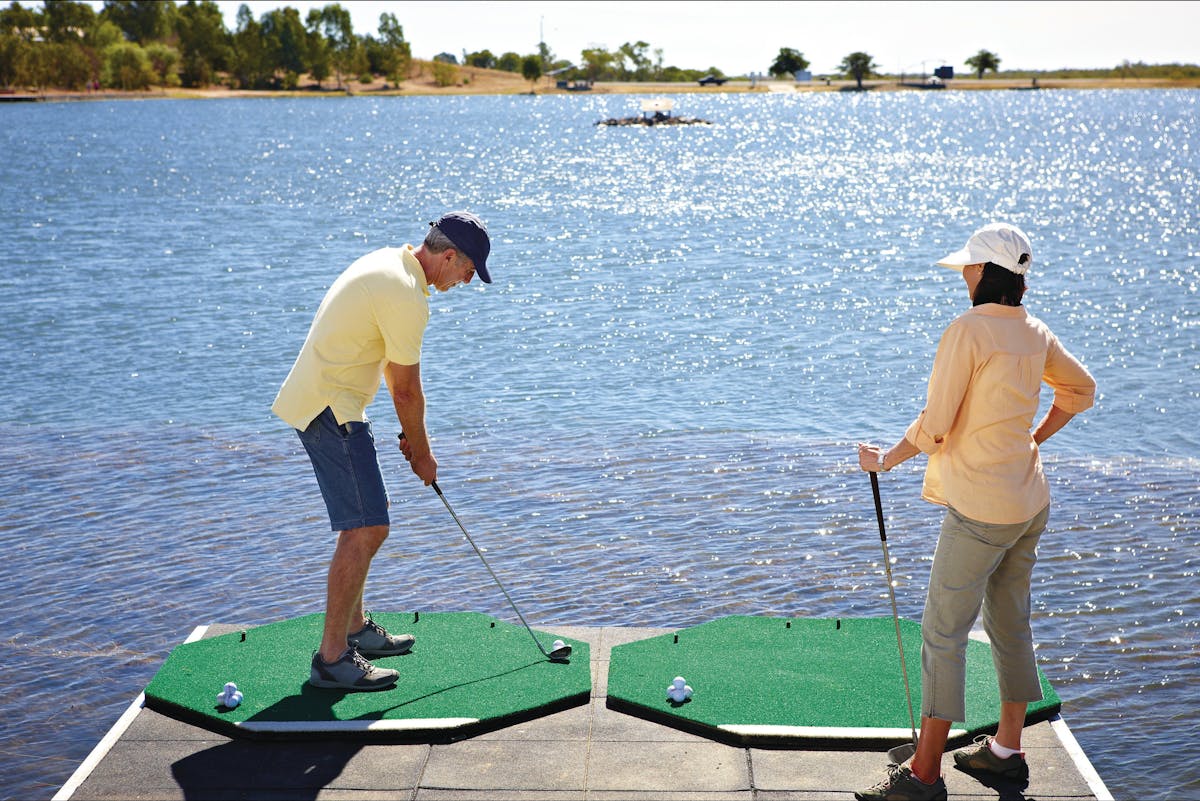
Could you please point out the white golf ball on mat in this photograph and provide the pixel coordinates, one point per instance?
(679, 691)
(557, 644)
(230, 697)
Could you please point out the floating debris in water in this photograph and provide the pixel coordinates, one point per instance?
(654, 121)
(656, 111)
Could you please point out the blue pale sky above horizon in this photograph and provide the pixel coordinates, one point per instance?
(740, 38)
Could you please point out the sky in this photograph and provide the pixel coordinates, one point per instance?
(744, 37)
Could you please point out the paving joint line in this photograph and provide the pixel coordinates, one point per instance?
(421, 773)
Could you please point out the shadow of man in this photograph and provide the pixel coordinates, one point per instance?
(248, 768)
(297, 769)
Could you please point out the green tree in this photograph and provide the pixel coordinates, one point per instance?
(69, 66)
(788, 62)
(674, 74)
(67, 21)
(509, 62)
(18, 27)
(482, 59)
(164, 60)
(597, 63)
(103, 35)
(250, 66)
(358, 63)
(204, 43)
(16, 20)
(37, 66)
(982, 62)
(376, 55)
(445, 73)
(142, 21)
(127, 67)
(531, 70)
(334, 23)
(320, 60)
(858, 65)
(396, 54)
(285, 40)
(14, 53)
(634, 54)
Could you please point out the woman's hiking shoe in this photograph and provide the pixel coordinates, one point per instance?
(373, 640)
(902, 785)
(980, 758)
(350, 672)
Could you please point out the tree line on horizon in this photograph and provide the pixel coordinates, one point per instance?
(135, 44)
(860, 65)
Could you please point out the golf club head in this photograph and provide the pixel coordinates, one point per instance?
(902, 753)
(560, 654)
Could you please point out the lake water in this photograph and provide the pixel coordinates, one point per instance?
(648, 419)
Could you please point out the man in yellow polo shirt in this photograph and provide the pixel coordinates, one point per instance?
(369, 328)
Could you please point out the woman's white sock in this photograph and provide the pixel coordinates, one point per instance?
(1001, 751)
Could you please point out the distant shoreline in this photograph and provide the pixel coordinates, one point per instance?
(485, 85)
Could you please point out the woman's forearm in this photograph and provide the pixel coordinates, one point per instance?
(1054, 420)
(901, 452)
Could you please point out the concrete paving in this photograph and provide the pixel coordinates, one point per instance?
(589, 752)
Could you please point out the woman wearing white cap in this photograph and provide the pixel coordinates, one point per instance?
(984, 467)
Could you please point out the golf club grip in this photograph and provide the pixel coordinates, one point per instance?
(436, 488)
(878, 504)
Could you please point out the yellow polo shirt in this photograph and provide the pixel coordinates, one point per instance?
(375, 313)
(978, 418)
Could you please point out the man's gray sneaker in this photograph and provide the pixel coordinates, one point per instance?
(902, 785)
(373, 640)
(350, 672)
(979, 758)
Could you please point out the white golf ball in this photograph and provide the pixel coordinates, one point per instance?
(679, 691)
(558, 644)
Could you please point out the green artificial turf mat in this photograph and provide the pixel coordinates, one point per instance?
(467, 672)
(777, 680)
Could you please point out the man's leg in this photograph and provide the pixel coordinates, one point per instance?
(347, 577)
(358, 613)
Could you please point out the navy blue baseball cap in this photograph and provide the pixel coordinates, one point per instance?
(469, 234)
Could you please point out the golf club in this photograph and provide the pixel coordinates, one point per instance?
(901, 753)
(559, 654)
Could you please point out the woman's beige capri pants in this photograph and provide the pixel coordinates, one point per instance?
(978, 565)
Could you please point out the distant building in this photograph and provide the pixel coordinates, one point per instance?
(803, 76)
(571, 86)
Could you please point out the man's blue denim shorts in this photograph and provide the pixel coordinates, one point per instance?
(347, 468)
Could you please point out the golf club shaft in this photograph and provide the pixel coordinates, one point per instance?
(887, 567)
(507, 597)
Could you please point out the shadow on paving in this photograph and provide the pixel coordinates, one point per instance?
(238, 768)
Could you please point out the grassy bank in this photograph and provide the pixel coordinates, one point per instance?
(477, 81)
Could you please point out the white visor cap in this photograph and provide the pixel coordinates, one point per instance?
(999, 243)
